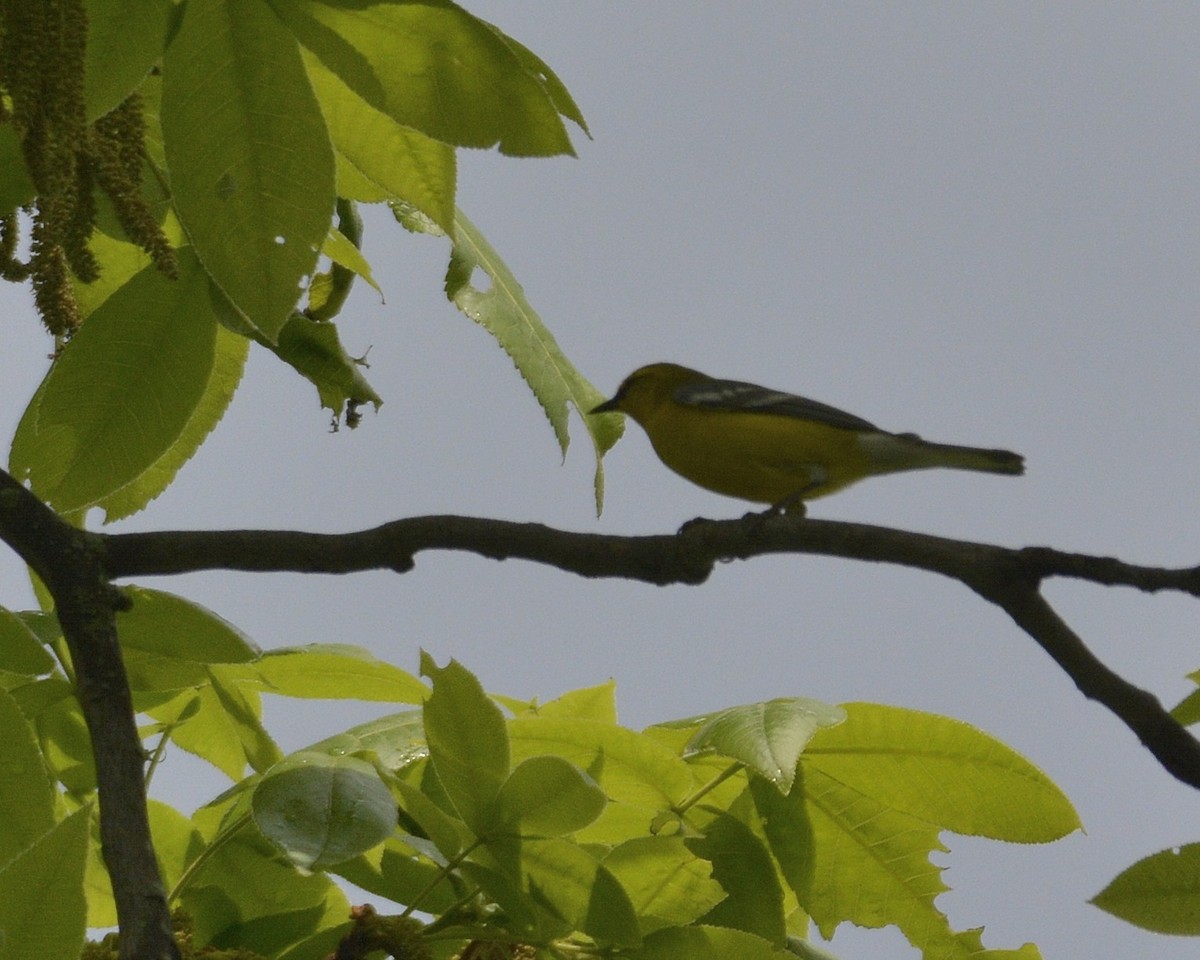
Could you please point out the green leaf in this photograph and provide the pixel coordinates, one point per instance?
(125, 39)
(871, 867)
(667, 884)
(42, 908)
(546, 796)
(313, 349)
(768, 737)
(943, 771)
(27, 799)
(50, 705)
(20, 649)
(789, 834)
(396, 162)
(641, 778)
(247, 894)
(224, 727)
(395, 740)
(434, 67)
(573, 884)
(334, 672)
(447, 833)
(168, 640)
(507, 315)
(588, 703)
(340, 250)
(321, 809)
(1159, 893)
(143, 361)
(742, 866)
(251, 166)
(229, 360)
(706, 943)
(1187, 711)
(468, 742)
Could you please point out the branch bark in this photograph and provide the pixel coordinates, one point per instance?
(68, 563)
(78, 567)
(1008, 578)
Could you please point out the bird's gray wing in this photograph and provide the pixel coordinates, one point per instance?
(750, 398)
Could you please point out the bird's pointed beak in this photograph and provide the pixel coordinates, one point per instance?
(608, 406)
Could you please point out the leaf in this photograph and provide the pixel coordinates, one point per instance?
(667, 883)
(321, 810)
(871, 867)
(546, 796)
(66, 747)
(944, 771)
(587, 703)
(395, 740)
(313, 349)
(768, 737)
(434, 67)
(20, 649)
(122, 392)
(396, 161)
(1160, 892)
(42, 908)
(229, 360)
(742, 866)
(340, 250)
(705, 943)
(251, 166)
(125, 39)
(166, 625)
(573, 884)
(641, 778)
(27, 799)
(247, 893)
(468, 742)
(508, 316)
(334, 671)
(789, 833)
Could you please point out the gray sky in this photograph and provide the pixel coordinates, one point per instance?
(975, 221)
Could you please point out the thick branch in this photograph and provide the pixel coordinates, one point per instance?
(86, 603)
(1009, 578)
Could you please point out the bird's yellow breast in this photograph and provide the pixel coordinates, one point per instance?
(754, 456)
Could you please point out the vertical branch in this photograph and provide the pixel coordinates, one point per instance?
(67, 560)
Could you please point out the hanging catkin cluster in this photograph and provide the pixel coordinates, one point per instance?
(42, 47)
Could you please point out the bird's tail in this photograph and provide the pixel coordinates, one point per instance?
(891, 452)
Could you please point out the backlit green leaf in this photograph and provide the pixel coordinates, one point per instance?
(546, 796)
(468, 742)
(507, 315)
(251, 166)
(666, 882)
(143, 360)
(434, 67)
(42, 909)
(943, 771)
(1160, 892)
(20, 649)
(27, 798)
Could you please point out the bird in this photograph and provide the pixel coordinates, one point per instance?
(772, 447)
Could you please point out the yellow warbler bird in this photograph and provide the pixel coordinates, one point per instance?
(770, 447)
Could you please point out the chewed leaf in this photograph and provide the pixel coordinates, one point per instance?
(504, 312)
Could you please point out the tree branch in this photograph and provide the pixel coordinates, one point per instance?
(1006, 577)
(67, 561)
(78, 567)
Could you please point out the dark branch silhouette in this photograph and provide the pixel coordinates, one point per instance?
(78, 568)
